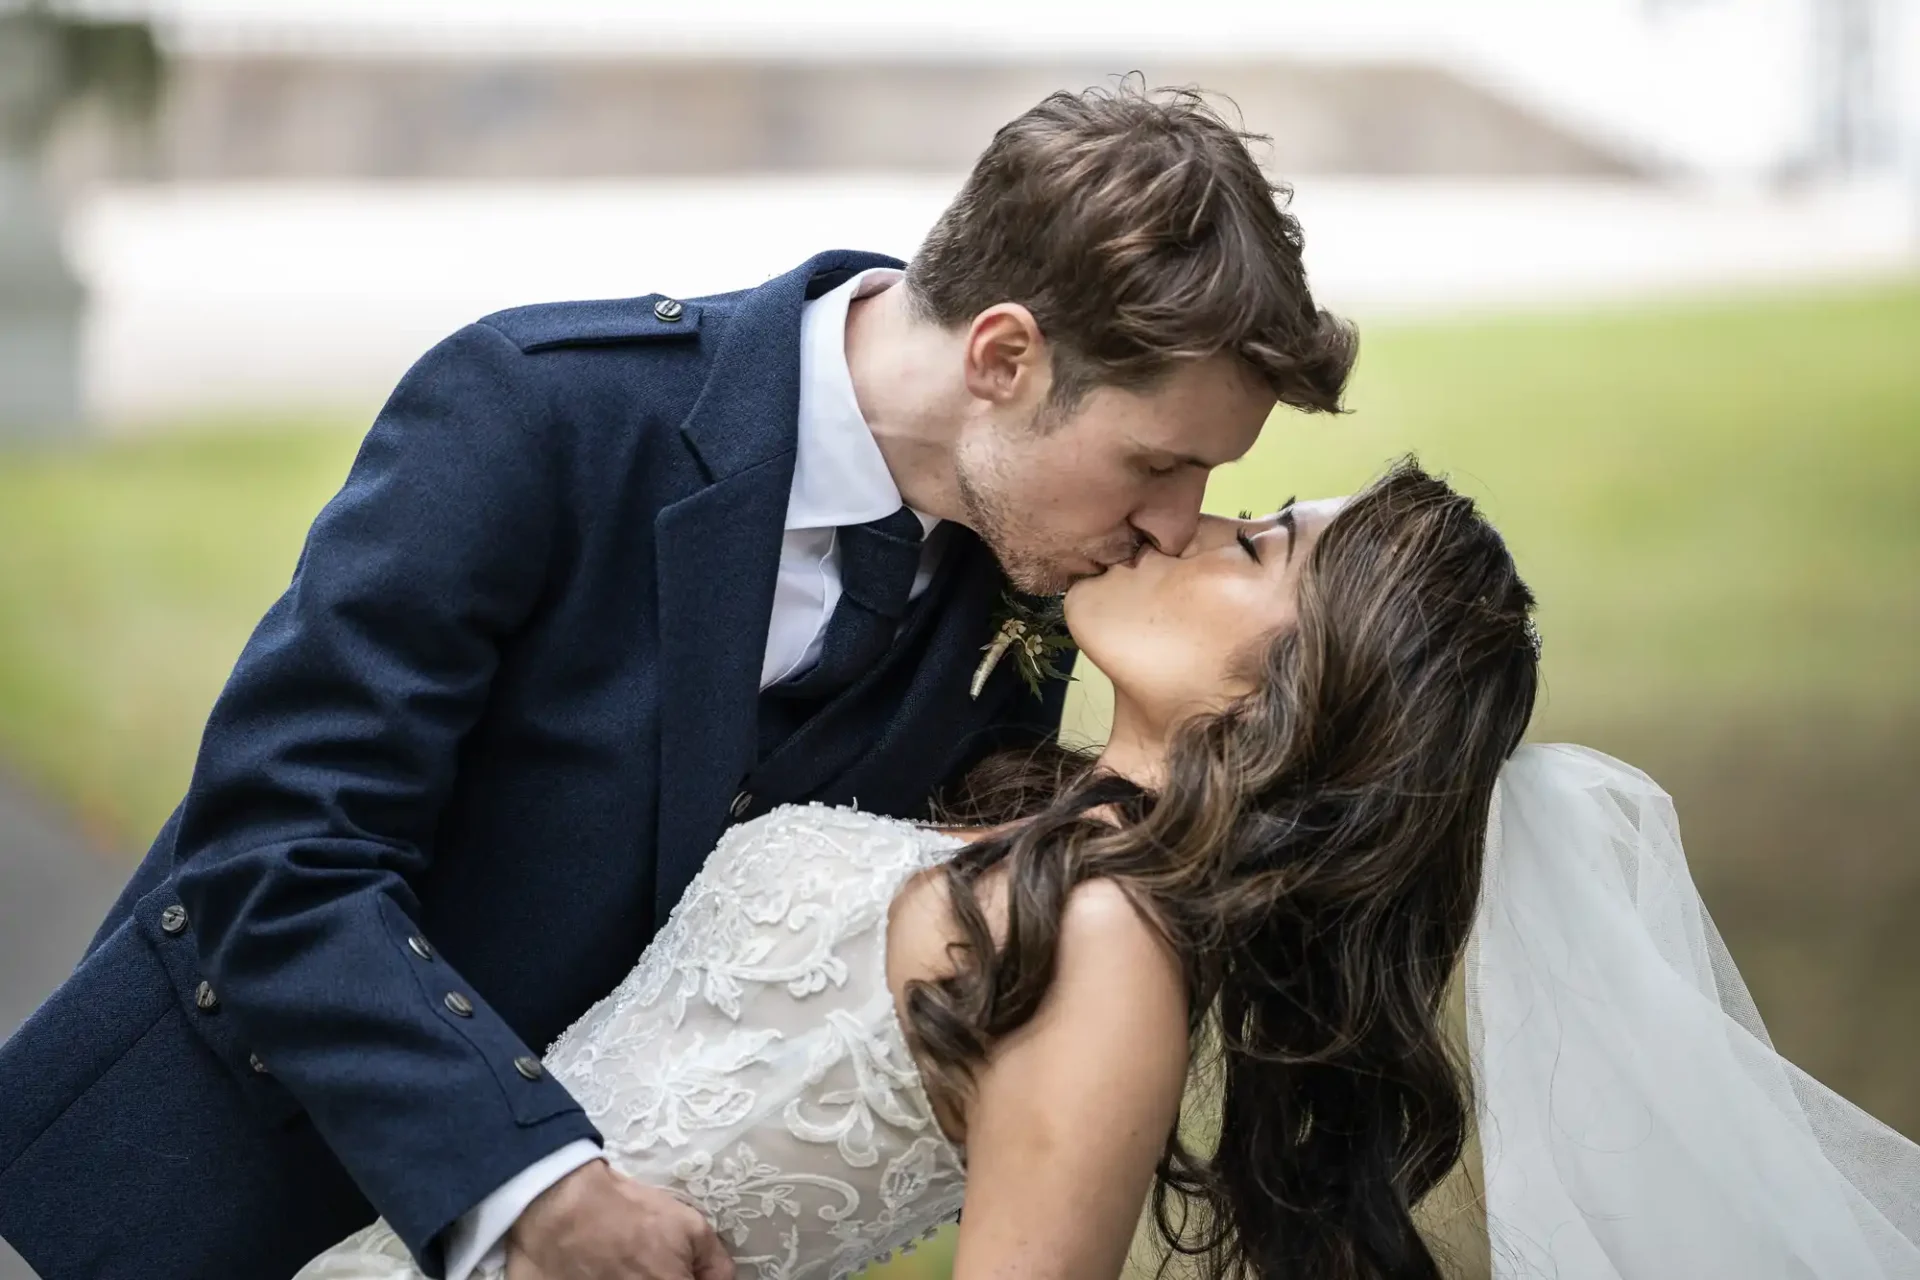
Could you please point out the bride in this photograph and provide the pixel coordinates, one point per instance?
(1313, 816)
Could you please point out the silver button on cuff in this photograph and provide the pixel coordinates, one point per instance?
(418, 945)
(668, 310)
(259, 1067)
(173, 920)
(204, 999)
(741, 803)
(459, 1004)
(529, 1067)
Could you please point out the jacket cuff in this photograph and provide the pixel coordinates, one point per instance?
(478, 1238)
(523, 1149)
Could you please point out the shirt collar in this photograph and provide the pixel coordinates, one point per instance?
(839, 475)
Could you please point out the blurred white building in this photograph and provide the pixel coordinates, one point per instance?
(1721, 87)
(1543, 154)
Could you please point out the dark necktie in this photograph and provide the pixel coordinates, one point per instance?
(877, 565)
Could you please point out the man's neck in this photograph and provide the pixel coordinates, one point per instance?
(906, 379)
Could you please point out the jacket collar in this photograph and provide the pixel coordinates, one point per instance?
(747, 411)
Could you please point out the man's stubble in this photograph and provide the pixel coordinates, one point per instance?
(1033, 562)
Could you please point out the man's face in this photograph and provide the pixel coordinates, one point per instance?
(1059, 498)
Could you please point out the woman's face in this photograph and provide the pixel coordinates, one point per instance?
(1174, 633)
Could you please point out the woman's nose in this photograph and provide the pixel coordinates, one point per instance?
(1210, 532)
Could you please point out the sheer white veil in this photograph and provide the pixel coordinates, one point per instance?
(1635, 1120)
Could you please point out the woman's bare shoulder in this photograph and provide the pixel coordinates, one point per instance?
(1101, 926)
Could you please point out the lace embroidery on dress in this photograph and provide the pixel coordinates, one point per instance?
(753, 1062)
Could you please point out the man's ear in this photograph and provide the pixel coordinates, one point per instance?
(1006, 357)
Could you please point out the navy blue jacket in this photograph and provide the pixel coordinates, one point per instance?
(462, 771)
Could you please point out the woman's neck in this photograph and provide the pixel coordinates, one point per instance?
(1136, 749)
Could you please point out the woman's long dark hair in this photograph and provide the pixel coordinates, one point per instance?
(1314, 858)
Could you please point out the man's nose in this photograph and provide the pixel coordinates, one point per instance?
(1170, 525)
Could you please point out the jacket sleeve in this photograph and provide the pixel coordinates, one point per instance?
(322, 776)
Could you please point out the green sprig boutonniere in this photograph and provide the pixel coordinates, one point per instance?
(1033, 634)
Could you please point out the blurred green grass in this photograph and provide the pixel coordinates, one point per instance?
(131, 572)
(1717, 503)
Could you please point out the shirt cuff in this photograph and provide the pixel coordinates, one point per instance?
(478, 1237)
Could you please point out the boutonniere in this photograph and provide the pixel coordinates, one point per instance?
(1033, 634)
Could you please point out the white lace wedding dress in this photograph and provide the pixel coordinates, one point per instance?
(752, 1062)
(1636, 1122)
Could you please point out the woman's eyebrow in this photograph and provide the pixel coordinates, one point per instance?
(1283, 519)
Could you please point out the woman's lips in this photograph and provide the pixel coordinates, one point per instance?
(1130, 561)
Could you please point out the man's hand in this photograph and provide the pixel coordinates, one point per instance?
(595, 1224)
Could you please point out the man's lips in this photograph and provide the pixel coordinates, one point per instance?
(1097, 567)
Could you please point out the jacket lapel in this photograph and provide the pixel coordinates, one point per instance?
(923, 704)
(832, 739)
(935, 706)
(718, 553)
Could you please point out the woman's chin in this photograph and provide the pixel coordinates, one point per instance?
(1073, 609)
(1080, 594)
(1088, 613)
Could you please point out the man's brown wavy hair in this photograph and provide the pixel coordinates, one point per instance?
(1139, 230)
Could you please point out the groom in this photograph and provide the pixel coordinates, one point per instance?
(605, 578)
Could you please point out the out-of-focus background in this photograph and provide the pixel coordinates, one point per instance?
(1642, 274)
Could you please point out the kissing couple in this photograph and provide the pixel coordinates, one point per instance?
(612, 857)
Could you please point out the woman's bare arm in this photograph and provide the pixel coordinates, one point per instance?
(1072, 1111)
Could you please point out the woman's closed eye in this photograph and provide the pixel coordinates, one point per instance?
(1282, 519)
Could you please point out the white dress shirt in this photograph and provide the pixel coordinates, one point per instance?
(839, 478)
